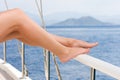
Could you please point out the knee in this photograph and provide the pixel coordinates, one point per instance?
(15, 14)
(19, 18)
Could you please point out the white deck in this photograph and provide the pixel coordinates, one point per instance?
(8, 72)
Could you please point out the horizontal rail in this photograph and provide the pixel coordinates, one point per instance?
(100, 65)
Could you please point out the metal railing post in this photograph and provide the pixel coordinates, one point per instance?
(4, 51)
(48, 65)
(93, 74)
(23, 60)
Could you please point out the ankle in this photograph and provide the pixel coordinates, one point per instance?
(62, 55)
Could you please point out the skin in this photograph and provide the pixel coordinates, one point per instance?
(15, 24)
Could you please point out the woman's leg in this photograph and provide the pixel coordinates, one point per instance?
(70, 42)
(15, 24)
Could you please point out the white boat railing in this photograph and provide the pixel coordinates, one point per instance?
(10, 70)
(100, 65)
(22, 59)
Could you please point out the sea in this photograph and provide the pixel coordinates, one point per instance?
(108, 50)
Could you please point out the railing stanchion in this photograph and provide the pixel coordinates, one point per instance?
(93, 74)
(48, 65)
(23, 60)
(4, 51)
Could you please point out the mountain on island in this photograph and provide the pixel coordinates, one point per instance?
(83, 21)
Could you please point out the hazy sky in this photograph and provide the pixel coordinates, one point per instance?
(93, 7)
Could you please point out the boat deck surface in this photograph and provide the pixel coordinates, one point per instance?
(4, 75)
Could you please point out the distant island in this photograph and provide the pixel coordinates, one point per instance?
(58, 21)
(85, 21)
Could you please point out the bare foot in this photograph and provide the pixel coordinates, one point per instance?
(80, 43)
(72, 53)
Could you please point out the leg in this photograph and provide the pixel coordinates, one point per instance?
(69, 42)
(66, 41)
(23, 28)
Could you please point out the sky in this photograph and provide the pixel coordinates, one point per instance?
(106, 10)
(93, 7)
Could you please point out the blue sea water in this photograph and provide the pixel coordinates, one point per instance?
(107, 50)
